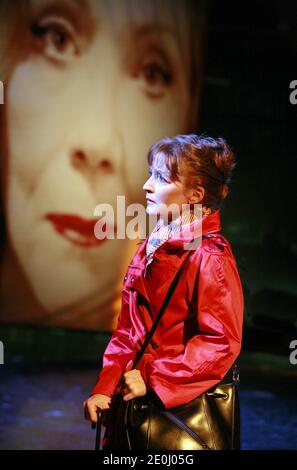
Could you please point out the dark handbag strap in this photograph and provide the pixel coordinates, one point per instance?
(156, 322)
(161, 311)
(235, 366)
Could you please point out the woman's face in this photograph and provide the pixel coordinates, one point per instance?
(162, 192)
(98, 83)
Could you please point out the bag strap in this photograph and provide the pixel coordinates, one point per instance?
(150, 334)
(161, 311)
(235, 366)
(148, 338)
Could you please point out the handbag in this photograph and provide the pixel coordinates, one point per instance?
(209, 422)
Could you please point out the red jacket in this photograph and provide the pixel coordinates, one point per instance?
(200, 333)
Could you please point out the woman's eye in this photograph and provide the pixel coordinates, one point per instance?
(161, 178)
(158, 176)
(154, 73)
(55, 38)
(156, 77)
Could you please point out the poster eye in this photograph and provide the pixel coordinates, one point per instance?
(56, 39)
(155, 72)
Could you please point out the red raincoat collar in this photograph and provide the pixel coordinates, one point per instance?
(210, 224)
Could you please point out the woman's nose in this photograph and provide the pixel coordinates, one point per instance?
(148, 185)
(88, 159)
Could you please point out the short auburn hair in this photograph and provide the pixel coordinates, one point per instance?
(197, 161)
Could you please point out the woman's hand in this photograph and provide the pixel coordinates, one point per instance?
(135, 385)
(93, 403)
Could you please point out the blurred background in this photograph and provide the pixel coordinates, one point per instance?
(83, 101)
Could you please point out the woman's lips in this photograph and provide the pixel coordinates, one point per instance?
(77, 230)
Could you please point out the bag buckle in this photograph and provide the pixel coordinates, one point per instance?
(140, 406)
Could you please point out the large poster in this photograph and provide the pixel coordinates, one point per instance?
(88, 86)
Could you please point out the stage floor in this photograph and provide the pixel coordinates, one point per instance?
(41, 408)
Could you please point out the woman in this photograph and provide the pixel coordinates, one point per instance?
(200, 333)
(77, 75)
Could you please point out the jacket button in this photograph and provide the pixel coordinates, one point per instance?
(155, 345)
(132, 279)
(125, 278)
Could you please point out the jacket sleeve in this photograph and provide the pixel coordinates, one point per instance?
(208, 355)
(118, 352)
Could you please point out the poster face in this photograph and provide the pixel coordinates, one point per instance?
(88, 87)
